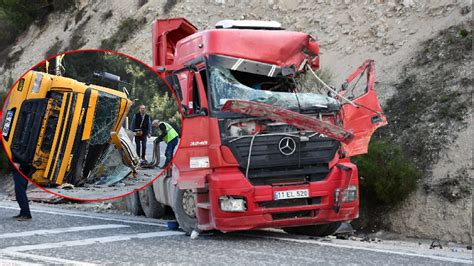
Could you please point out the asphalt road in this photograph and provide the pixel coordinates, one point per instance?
(58, 236)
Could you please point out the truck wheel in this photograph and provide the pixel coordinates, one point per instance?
(320, 230)
(133, 204)
(185, 210)
(77, 178)
(151, 207)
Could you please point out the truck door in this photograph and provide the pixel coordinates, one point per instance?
(192, 158)
(366, 115)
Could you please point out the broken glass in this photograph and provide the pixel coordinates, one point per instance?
(115, 164)
(226, 87)
(106, 115)
(110, 169)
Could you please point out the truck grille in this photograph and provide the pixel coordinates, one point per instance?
(268, 165)
(27, 130)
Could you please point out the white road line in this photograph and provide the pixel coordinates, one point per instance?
(62, 230)
(43, 259)
(89, 216)
(314, 260)
(434, 257)
(90, 241)
(4, 261)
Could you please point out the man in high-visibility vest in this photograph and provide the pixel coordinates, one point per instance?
(169, 136)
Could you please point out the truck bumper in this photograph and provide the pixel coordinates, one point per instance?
(262, 211)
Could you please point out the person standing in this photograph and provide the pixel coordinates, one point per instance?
(141, 126)
(21, 184)
(169, 136)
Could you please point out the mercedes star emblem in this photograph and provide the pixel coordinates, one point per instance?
(287, 146)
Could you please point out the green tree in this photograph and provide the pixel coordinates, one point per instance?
(17, 15)
(387, 176)
(143, 84)
(164, 108)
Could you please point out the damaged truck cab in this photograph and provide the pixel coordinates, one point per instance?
(259, 150)
(57, 128)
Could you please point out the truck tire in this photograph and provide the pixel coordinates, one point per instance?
(319, 230)
(133, 204)
(150, 206)
(77, 175)
(185, 210)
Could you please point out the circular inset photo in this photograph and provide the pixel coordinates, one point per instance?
(90, 125)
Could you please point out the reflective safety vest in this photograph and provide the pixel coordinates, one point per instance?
(170, 132)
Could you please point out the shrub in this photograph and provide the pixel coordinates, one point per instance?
(107, 15)
(17, 15)
(78, 39)
(387, 176)
(125, 31)
(169, 5)
(141, 3)
(54, 49)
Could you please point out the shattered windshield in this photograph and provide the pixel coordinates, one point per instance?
(106, 114)
(110, 169)
(228, 84)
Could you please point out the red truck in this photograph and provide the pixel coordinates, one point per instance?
(259, 147)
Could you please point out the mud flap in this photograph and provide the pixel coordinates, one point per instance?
(366, 116)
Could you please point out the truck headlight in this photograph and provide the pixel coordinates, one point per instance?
(232, 204)
(37, 83)
(350, 194)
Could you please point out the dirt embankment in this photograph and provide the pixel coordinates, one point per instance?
(429, 105)
(431, 119)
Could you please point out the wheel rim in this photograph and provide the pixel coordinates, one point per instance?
(189, 204)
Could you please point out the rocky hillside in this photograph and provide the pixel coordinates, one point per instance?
(431, 118)
(421, 61)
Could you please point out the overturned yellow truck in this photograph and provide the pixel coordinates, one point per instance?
(57, 128)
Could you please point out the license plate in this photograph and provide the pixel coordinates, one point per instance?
(292, 194)
(7, 123)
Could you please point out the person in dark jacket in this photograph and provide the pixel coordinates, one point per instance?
(141, 126)
(21, 184)
(170, 136)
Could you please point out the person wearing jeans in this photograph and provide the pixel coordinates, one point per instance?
(21, 183)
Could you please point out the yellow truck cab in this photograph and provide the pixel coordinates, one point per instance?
(57, 128)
